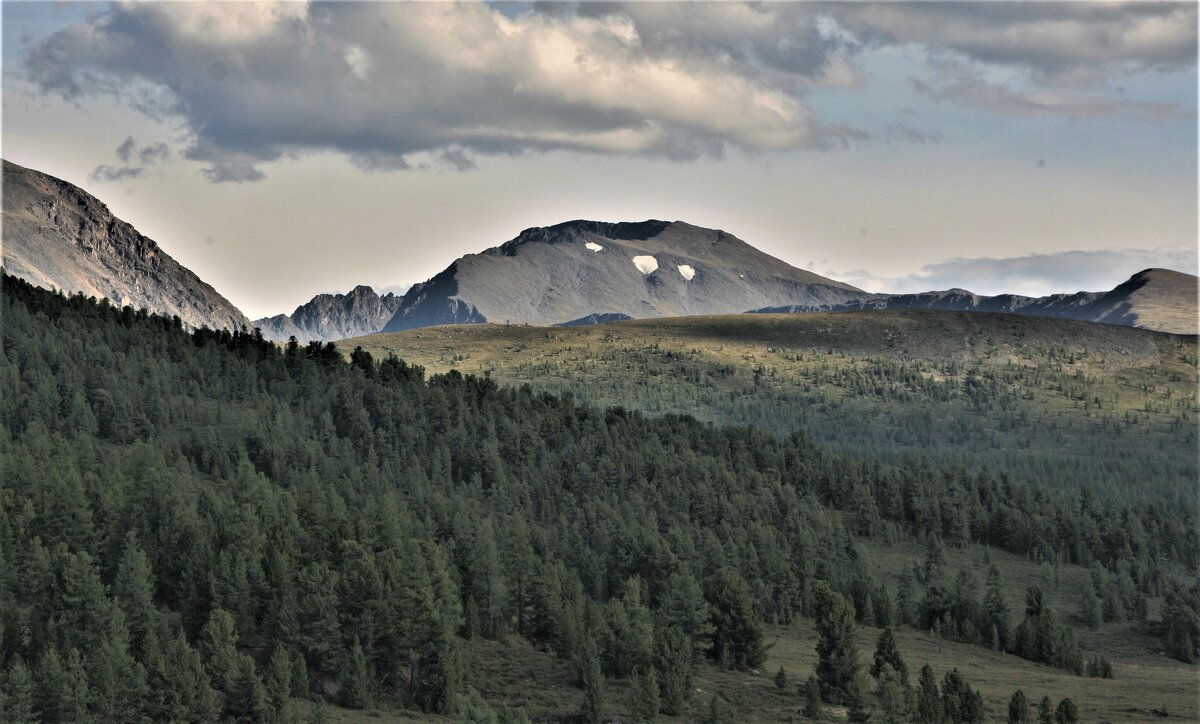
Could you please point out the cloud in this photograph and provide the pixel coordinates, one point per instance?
(1033, 274)
(959, 83)
(126, 152)
(105, 173)
(395, 86)
(392, 86)
(1056, 41)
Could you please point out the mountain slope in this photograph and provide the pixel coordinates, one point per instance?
(330, 317)
(58, 236)
(557, 274)
(1045, 400)
(1158, 299)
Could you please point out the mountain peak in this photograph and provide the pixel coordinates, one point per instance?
(585, 269)
(329, 317)
(56, 235)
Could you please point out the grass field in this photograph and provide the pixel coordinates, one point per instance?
(1148, 685)
(1050, 401)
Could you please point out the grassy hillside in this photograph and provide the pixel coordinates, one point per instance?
(1051, 401)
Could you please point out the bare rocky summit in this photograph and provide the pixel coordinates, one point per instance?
(581, 270)
(1159, 299)
(58, 236)
(330, 317)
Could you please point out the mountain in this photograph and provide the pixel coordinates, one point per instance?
(1158, 299)
(56, 235)
(571, 271)
(330, 317)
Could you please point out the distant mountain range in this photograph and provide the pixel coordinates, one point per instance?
(575, 273)
(330, 317)
(58, 236)
(1159, 299)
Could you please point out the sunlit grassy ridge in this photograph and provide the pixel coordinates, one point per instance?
(1050, 401)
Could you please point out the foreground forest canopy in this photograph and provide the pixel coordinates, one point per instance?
(207, 525)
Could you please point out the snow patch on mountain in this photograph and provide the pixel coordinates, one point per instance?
(593, 246)
(687, 271)
(645, 264)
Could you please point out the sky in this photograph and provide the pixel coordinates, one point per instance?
(280, 150)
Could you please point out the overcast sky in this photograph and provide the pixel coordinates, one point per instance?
(280, 150)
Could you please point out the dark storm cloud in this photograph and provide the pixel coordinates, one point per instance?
(398, 86)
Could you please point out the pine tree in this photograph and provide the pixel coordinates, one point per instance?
(929, 700)
(812, 697)
(961, 704)
(1018, 708)
(133, 588)
(683, 605)
(1066, 713)
(75, 703)
(645, 705)
(837, 645)
(278, 683)
(218, 649)
(736, 640)
(780, 679)
(904, 601)
(18, 694)
(357, 687)
(1089, 607)
(248, 700)
(53, 688)
(886, 654)
(997, 611)
(893, 697)
(674, 662)
(592, 678)
(1045, 711)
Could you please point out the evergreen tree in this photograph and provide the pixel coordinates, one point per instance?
(592, 678)
(997, 611)
(133, 588)
(248, 700)
(358, 690)
(674, 663)
(1018, 708)
(812, 697)
(18, 694)
(1045, 711)
(837, 645)
(961, 703)
(53, 688)
(886, 654)
(736, 640)
(278, 683)
(1090, 611)
(683, 605)
(929, 699)
(904, 600)
(218, 649)
(1066, 713)
(893, 697)
(645, 705)
(780, 679)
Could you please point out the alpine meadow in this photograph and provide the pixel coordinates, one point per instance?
(646, 362)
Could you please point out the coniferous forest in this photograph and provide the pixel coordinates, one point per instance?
(205, 525)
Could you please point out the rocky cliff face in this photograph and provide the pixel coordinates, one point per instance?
(571, 271)
(329, 317)
(58, 236)
(1158, 299)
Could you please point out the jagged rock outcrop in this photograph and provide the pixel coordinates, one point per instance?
(58, 236)
(329, 317)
